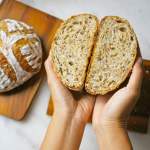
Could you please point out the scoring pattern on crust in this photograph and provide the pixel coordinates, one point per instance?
(20, 47)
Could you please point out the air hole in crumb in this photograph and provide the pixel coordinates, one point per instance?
(70, 63)
(100, 78)
(122, 29)
(84, 28)
(66, 37)
(118, 21)
(76, 22)
(81, 32)
(131, 38)
(82, 47)
(60, 69)
(110, 83)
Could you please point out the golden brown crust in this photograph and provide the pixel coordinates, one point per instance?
(3, 26)
(7, 68)
(20, 53)
(21, 58)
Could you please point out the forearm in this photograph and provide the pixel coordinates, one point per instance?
(55, 135)
(64, 133)
(113, 137)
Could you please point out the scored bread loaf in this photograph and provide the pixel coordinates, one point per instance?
(20, 53)
(71, 49)
(113, 55)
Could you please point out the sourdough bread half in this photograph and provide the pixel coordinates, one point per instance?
(113, 56)
(71, 49)
(20, 53)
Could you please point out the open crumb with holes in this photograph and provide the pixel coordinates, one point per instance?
(113, 56)
(71, 49)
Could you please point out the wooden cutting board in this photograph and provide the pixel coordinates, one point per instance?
(15, 104)
(138, 121)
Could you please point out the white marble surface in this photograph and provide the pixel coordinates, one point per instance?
(28, 134)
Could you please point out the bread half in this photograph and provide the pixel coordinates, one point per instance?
(71, 49)
(113, 56)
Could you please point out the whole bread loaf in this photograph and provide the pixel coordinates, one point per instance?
(113, 56)
(20, 53)
(71, 49)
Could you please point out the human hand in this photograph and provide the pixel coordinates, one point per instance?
(114, 108)
(71, 113)
(66, 102)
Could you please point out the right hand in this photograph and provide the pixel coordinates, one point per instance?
(66, 103)
(114, 109)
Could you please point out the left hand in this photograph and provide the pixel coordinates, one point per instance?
(66, 103)
(71, 113)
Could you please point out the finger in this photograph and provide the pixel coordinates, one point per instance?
(136, 77)
(52, 79)
(101, 100)
(54, 83)
(100, 103)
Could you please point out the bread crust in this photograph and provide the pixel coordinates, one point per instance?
(90, 90)
(21, 54)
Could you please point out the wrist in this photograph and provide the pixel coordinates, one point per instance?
(107, 124)
(70, 119)
(113, 131)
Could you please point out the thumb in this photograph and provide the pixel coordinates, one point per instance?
(53, 81)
